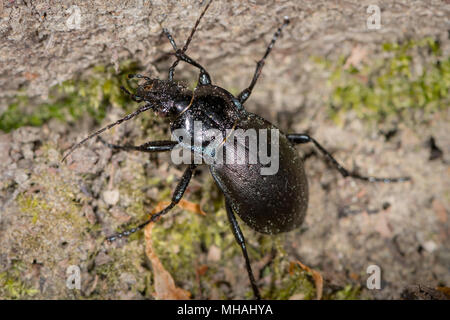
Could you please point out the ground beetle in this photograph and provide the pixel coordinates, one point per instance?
(267, 203)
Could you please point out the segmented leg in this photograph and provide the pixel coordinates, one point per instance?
(245, 94)
(204, 77)
(186, 45)
(176, 197)
(175, 48)
(241, 241)
(305, 138)
(152, 146)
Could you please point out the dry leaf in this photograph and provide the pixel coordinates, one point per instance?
(297, 296)
(354, 276)
(30, 76)
(190, 206)
(357, 55)
(439, 209)
(214, 254)
(165, 288)
(318, 280)
(201, 271)
(184, 204)
(444, 290)
(382, 225)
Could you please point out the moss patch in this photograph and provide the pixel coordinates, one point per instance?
(413, 77)
(68, 101)
(56, 220)
(348, 293)
(182, 241)
(12, 285)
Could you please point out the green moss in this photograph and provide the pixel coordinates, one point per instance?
(234, 91)
(348, 293)
(392, 87)
(56, 220)
(44, 212)
(14, 288)
(11, 285)
(179, 240)
(33, 206)
(124, 260)
(284, 284)
(72, 99)
(298, 283)
(133, 189)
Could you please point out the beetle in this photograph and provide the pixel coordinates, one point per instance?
(269, 204)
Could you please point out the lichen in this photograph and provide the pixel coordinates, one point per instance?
(349, 292)
(92, 93)
(393, 87)
(125, 260)
(12, 285)
(55, 215)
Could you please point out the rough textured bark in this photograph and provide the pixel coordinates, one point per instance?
(54, 215)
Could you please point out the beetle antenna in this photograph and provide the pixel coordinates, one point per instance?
(275, 37)
(109, 126)
(188, 41)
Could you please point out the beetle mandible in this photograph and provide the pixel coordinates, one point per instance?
(269, 204)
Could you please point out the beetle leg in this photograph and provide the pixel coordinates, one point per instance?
(176, 197)
(245, 94)
(174, 46)
(298, 138)
(172, 69)
(204, 77)
(186, 45)
(152, 146)
(241, 241)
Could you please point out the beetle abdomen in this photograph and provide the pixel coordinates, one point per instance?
(270, 203)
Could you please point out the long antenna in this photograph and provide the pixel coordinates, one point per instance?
(188, 41)
(146, 107)
(109, 126)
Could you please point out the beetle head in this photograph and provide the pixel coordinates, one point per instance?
(168, 98)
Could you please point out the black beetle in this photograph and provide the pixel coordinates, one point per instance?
(271, 203)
